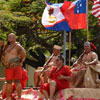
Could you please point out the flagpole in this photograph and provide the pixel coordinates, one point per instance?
(65, 46)
(69, 47)
(64, 53)
(87, 18)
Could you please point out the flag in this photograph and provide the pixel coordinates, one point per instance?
(75, 14)
(96, 9)
(53, 19)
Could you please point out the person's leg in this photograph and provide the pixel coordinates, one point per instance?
(80, 79)
(45, 94)
(18, 88)
(52, 89)
(3, 91)
(4, 87)
(73, 79)
(46, 75)
(9, 89)
(36, 78)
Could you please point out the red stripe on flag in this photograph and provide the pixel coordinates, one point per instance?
(95, 8)
(97, 3)
(97, 12)
(94, 0)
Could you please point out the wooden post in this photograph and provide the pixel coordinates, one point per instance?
(87, 17)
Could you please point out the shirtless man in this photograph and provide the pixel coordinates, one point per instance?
(52, 62)
(13, 57)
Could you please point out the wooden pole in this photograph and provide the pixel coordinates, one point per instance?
(87, 17)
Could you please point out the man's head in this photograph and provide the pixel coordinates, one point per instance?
(87, 46)
(12, 38)
(56, 50)
(60, 60)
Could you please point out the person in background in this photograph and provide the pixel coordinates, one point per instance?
(24, 78)
(2, 45)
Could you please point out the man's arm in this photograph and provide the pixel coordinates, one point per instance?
(78, 60)
(94, 61)
(64, 77)
(21, 53)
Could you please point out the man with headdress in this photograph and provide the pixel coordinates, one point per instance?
(85, 68)
(48, 65)
(13, 57)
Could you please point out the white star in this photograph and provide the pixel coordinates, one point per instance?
(80, 5)
(77, 11)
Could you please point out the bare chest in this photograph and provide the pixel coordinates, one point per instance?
(87, 57)
(11, 50)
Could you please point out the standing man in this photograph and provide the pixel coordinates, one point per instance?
(14, 55)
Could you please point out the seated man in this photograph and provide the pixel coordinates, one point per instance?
(60, 76)
(50, 62)
(84, 66)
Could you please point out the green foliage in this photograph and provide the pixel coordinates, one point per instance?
(14, 4)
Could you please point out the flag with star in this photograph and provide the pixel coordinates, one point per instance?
(75, 14)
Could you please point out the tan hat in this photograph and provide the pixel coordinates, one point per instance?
(57, 47)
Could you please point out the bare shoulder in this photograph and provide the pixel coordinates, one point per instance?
(93, 53)
(19, 47)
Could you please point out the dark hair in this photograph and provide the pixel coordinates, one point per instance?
(1, 39)
(8, 43)
(61, 57)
